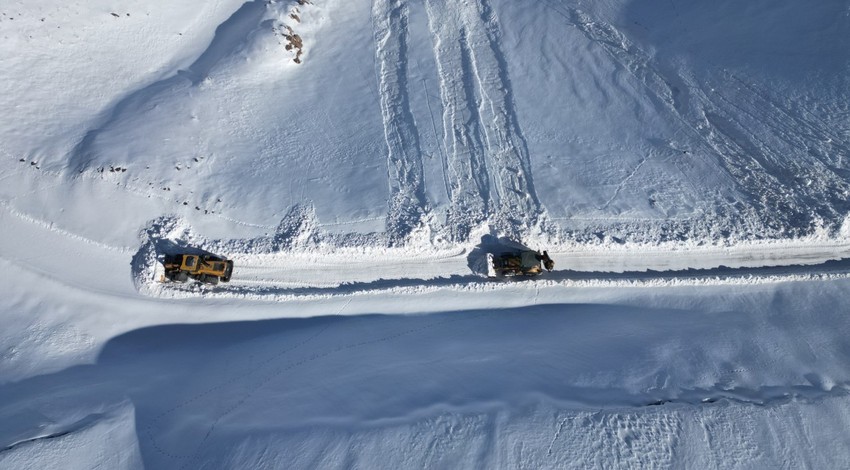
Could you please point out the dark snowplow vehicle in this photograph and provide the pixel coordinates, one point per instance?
(204, 268)
(519, 263)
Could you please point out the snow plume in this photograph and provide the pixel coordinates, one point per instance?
(162, 235)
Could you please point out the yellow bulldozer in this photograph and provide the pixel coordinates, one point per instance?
(519, 263)
(207, 268)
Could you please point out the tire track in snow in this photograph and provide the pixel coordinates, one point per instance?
(623, 51)
(466, 171)
(407, 203)
(783, 195)
(798, 131)
(507, 153)
(265, 269)
(486, 147)
(813, 171)
(641, 66)
(624, 182)
(666, 90)
(277, 292)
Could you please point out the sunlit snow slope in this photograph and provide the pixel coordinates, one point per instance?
(638, 119)
(685, 164)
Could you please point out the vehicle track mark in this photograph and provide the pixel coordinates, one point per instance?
(814, 128)
(831, 270)
(624, 182)
(507, 154)
(407, 204)
(781, 196)
(557, 434)
(466, 171)
(486, 146)
(795, 151)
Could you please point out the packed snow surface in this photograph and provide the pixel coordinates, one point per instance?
(685, 164)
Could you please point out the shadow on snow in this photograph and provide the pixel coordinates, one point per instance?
(200, 389)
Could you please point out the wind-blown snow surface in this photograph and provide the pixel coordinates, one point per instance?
(685, 165)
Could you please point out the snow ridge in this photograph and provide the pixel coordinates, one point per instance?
(121, 117)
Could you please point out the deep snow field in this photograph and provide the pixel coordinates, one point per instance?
(686, 164)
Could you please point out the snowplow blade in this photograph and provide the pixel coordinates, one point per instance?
(491, 268)
(228, 272)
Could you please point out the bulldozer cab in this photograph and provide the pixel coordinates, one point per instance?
(529, 262)
(190, 263)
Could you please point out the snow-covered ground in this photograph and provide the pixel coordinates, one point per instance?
(685, 164)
